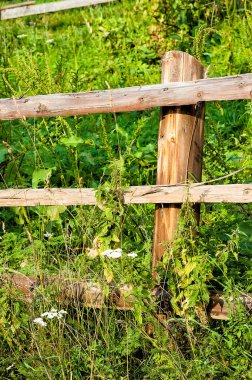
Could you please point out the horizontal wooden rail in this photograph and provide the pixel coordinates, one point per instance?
(128, 99)
(241, 193)
(25, 4)
(93, 295)
(28, 9)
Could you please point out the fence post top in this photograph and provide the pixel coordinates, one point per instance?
(178, 54)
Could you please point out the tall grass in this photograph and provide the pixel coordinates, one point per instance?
(117, 45)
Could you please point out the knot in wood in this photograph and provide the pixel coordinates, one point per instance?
(42, 108)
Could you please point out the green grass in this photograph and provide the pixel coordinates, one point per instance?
(109, 46)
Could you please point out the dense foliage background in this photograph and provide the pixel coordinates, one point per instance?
(108, 46)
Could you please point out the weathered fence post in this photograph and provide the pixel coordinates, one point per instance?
(180, 144)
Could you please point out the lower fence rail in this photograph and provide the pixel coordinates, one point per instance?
(195, 193)
(93, 295)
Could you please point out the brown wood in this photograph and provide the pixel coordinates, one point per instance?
(129, 99)
(220, 308)
(131, 195)
(93, 295)
(27, 9)
(180, 145)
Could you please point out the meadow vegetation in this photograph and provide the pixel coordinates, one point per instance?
(109, 46)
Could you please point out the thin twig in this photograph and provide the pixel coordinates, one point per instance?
(219, 178)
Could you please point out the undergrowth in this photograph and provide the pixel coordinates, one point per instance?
(108, 46)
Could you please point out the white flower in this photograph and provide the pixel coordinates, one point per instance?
(49, 41)
(132, 254)
(22, 36)
(61, 313)
(53, 314)
(112, 253)
(39, 321)
(49, 315)
(115, 255)
(107, 252)
(48, 234)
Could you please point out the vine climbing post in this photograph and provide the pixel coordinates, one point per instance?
(180, 145)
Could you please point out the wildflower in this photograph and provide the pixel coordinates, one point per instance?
(132, 254)
(49, 41)
(112, 253)
(107, 252)
(115, 255)
(61, 313)
(48, 235)
(54, 313)
(50, 314)
(40, 322)
(22, 36)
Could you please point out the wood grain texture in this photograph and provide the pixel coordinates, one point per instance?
(27, 9)
(132, 195)
(128, 99)
(180, 145)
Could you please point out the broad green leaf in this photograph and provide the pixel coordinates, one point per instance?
(72, 141)
(21, 214)
(246, 227)
(174, 36)
(189, 268)
(108, 274)
(41, 175)
(53, 212)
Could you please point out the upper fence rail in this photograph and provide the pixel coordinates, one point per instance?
(128, 99)
(29, 8)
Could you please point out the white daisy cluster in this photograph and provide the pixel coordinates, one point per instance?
(116, 253)
(40, 322)
(112, 253)
(54, 313)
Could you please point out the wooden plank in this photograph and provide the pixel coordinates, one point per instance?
(17, 5)
(240, 193)
(128, 99)
(92, 294)
(28, 10)
(180, 146)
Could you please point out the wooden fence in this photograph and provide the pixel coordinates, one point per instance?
(180, 142)
(30, 8)
(138, 98)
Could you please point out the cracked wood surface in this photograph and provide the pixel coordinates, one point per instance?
(180, 146)
(128, 99)
(241, 193)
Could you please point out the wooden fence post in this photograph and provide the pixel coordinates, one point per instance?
(180, 144)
